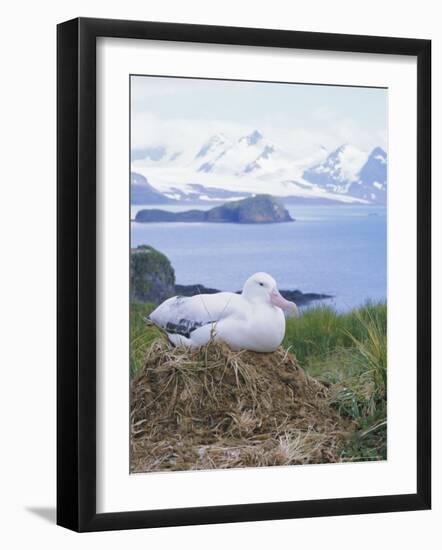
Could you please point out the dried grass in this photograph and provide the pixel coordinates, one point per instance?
(216, 408)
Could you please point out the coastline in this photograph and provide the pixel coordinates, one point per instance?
(300, 298)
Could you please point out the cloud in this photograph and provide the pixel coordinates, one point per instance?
(148, 130)
(177, 134)
(183, 113)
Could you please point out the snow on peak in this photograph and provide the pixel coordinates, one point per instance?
(214, 143)
(379, 154)
(372, 178)
(347, 160)
(252, 164)
(339, 170)
(251, 139)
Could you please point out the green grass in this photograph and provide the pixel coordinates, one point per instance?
(321, 330)
(348, 352)
(141, 334)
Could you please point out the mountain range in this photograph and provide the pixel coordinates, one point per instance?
(223, 168)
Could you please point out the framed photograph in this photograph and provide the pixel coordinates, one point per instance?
(243, 274)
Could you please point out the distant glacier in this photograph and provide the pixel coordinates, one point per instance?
(224, 168)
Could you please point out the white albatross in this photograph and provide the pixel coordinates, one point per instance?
(252, 320)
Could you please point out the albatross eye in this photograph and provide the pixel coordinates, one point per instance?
(261, 284)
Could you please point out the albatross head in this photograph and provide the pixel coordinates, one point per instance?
(261, 287)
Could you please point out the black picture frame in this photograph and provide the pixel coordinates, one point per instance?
(76, 273)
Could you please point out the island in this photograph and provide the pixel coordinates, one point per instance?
(257, 209)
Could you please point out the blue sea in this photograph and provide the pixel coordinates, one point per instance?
(336, 250)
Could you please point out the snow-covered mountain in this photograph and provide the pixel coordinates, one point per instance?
(223, 168)
(371, 183)
(347, 170)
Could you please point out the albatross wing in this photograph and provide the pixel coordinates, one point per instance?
(180, 317)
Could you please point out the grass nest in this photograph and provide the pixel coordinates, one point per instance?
(212, 407)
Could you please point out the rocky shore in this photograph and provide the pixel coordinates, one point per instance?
(300, 298)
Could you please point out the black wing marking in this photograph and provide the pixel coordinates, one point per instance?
(184, 327)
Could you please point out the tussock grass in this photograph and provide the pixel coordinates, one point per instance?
(321, 330)
(348, 352)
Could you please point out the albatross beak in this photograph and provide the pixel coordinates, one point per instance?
(280, 301)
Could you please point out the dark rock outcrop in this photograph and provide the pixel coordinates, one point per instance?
(300, 298)
(152, 277)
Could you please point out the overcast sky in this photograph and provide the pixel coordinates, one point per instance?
(177, 112)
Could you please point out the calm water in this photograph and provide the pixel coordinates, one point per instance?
(338, 250)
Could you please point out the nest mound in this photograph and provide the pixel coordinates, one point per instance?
(216, 408)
